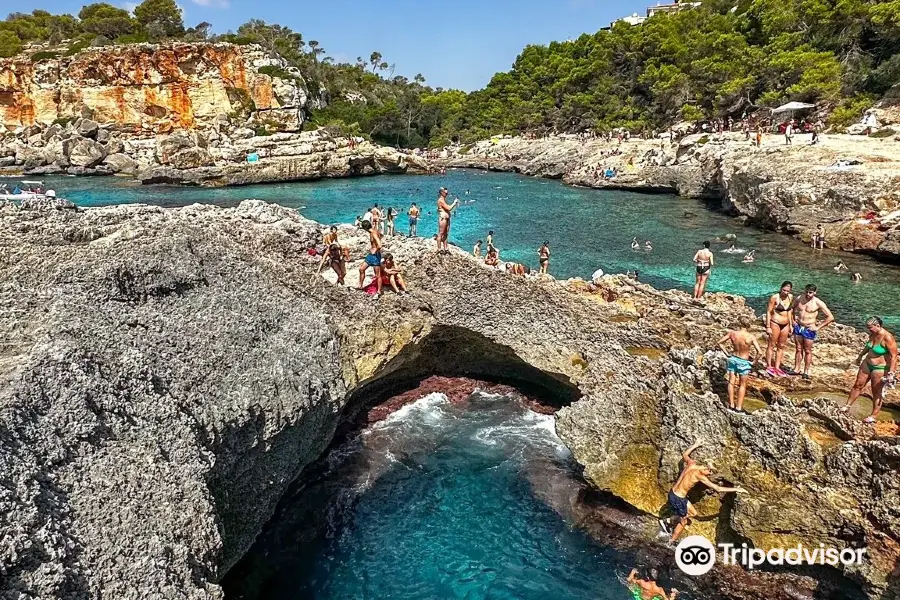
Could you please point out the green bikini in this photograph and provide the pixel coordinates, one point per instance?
(877, 350)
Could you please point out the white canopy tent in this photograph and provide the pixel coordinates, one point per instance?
(791, 107)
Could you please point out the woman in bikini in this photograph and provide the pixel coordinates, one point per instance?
(444, 220)
(544, 256)
(877, 365)
(336, 261)
(778, 322)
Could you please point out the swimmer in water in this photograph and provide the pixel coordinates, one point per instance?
(648, 246)
(647, 589)
(749, 258)
(840, 267)
(635, 245)
(856, 278)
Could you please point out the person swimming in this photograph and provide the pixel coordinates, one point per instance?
(648, 246)
(749, 258)
(840, 267)
(647, 589)
(635, 245)
(856, 278)
(734, 250)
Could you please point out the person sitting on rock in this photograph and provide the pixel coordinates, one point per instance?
(739, 364)
(517, 269)
(332, 238)
(391, 274)
(691, 475)
(647, 589)
(492, 259)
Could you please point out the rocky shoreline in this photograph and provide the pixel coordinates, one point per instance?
(168, 373)
(792, 189)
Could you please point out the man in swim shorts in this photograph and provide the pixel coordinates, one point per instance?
(739, 364)
(373, 259)
(691, 475)
(413, 213)
(806, 327)
(704, 261)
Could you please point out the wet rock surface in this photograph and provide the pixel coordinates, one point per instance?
(167, 373)
(793, 189)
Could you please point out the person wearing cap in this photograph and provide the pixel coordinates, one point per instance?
(444, 210)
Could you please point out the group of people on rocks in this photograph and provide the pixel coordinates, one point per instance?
(798, 317)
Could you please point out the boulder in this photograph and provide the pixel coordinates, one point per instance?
(169, 145)
(191, 158)
(53, 130)
(7, 161)
(103, 135)
(121, 163)
(85, 152)
(242, 133)
(87, 128)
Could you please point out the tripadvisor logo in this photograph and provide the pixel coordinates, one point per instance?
(695, 555)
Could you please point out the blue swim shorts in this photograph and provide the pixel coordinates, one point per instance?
(739, 365)
(804, 332)
(374, 260)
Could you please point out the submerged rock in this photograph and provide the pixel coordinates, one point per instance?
(167, 373)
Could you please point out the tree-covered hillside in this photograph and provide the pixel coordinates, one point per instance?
(719, 59)
(722, 58)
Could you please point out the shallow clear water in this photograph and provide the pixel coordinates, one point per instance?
(434, 502)
(587, 229)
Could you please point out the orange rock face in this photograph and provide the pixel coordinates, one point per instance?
(149, 87)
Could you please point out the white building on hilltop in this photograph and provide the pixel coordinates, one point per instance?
(636, 19)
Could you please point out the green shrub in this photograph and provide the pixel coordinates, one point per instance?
(39, 56)
(850, 110)
(262, 131)
(63, 121)
(276, 71)
(883, 133)
(77, 47)
(465, 149)
(703, 140)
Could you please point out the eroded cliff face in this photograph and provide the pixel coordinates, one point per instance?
(166, 374)
(152, 87)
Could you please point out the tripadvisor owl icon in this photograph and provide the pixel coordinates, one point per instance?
(695, 555)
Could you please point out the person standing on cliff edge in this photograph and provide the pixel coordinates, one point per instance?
(444, 220)
(413, 213)
(691, 474)
(704, 261)
(806, 327)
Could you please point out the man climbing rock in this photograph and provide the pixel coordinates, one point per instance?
(691, 475)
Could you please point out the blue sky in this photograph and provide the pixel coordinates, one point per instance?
(454, 43)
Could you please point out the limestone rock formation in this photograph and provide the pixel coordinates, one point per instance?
(167, 373)
(144, 86)
(791, 189)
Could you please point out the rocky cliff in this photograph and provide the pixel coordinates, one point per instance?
(150, 88)
(166, 374)
(793, 189)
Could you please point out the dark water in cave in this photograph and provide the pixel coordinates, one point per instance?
(440, 500)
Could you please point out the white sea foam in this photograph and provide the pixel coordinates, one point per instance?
(428, 409)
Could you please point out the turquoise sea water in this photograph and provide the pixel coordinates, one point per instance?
(441, 502)
(587, 229)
